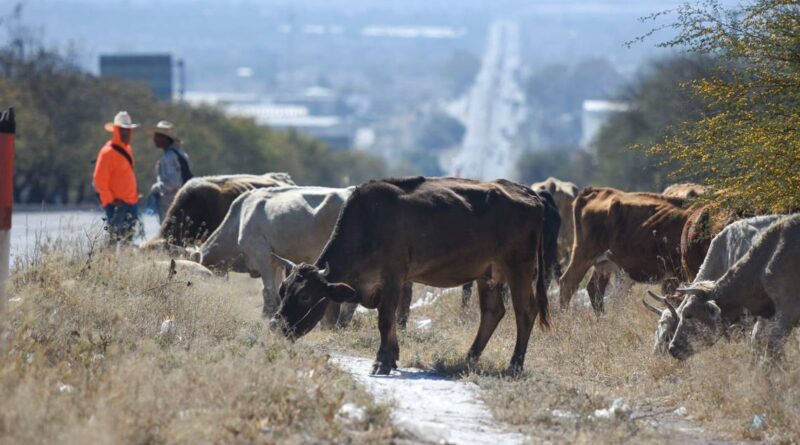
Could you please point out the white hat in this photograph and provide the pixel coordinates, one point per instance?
(166, 128)
(122, 120)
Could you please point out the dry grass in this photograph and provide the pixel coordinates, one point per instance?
(584, 363)
(84, 361)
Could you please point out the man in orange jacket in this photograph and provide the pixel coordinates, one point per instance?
(115, 180)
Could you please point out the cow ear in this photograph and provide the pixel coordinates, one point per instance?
(714, 310)
(342, 293)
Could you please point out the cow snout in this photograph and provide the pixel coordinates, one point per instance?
(678, 353)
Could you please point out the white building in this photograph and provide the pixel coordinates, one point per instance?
(595, 113)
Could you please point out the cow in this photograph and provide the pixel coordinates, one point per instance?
(638, 232)
(703, 224)
(730, 245)
(294, 222)
(763, 283)
(685, 190)
(552, 224)
(563, 194)
(437, 231)
(202, 203)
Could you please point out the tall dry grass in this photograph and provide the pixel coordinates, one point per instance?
(84, 360)
(585, 362)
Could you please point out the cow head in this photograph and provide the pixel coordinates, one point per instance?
(667, 322)
(305, 294)
(700, 322)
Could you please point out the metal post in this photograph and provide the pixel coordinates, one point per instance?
(7, 131)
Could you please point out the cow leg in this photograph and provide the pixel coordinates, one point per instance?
(776, 333)
(346, 311)
(404, 307)
(389, 351)
(466, 294)
(598, 283)
(572, 277)
(525, 313)
(492, 311)
(331, 316)
(270, 280)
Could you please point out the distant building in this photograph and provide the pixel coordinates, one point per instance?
(594, 115)
(334, 130)
(154, 69)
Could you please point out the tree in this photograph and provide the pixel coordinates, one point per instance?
(659, 102)
(61, 111)
(749, 144)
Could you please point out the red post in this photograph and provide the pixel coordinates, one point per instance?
(7, 134)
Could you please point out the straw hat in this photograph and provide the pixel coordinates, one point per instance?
(166, 128)
(122, 120)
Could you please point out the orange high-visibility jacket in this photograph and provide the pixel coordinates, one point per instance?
(114, 177)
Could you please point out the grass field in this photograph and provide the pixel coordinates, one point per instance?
(85, 360)
(583, 363)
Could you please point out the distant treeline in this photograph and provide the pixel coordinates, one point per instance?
(60, 114)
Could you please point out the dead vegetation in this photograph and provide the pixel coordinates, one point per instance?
(89, 358)
(583, 363)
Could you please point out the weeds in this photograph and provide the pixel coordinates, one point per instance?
(87, 360)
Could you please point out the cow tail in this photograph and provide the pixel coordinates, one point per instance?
(541, 288)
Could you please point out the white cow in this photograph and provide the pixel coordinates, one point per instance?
(763, 283)
(728, 247)
(293, 222)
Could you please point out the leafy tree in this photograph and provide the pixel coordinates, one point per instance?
(565, 164)
(440, 131)
(61, 111)
(555, 96)
(659, 103)
(749, 145)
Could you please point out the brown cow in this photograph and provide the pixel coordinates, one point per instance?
(703, 224)
(563, 194)
(638, 232)
(686, 190)
(202, 203)
(437, 231)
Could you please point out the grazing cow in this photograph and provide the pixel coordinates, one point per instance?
(726, 249)
(437, 231)
(763, 283)
(686, 190)
(638, 232)
(563, 194)
(202, 203)
(294, 222)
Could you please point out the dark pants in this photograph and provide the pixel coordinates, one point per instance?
(121, 222)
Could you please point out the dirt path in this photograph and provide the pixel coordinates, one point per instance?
(429, 407)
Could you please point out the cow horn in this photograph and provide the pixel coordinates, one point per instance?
(666, 302)
(657, 297)
(324, 272)
(650, 307)
(286, 263)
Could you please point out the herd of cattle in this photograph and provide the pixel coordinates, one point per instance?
(321, 251)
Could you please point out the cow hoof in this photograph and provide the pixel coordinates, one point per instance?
(514, 370)
(379, 368)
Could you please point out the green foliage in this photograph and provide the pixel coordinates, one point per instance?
(61, 112)
(659, 102)
(749, 145)
(565, 164)
(555, 96)
(440, 131)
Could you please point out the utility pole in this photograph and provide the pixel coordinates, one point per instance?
(7, 131)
